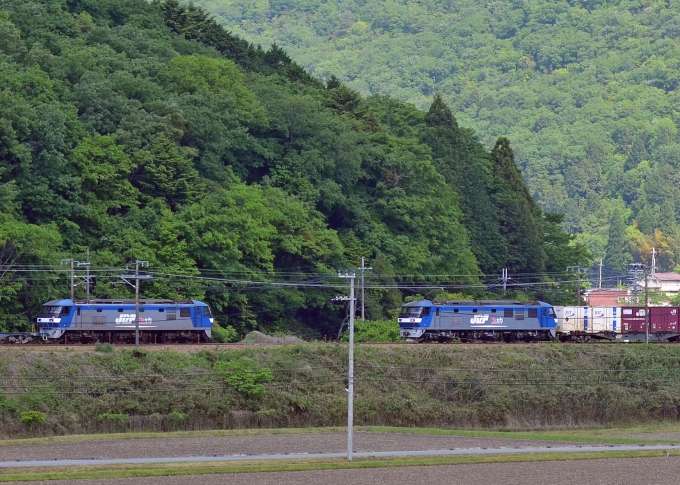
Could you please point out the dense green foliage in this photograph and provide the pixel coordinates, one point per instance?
(587, 92)
(145, 131)
(542, 386)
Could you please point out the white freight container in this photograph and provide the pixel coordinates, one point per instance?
(570, 318)
(605, 319)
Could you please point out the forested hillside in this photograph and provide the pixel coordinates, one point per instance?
(586, 91)
(145, 131)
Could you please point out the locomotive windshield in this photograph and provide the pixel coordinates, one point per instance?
(54, 311)
(50, 310)
(206, 311)
(414, 311)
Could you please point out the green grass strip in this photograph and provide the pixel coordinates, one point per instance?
(598, 435)
(75, 438)
(174, 469)
(585, 436)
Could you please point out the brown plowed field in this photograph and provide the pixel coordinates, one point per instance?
(334, 442)
(635, 471)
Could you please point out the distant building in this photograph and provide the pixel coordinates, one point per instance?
(606, 297)
(666, 283)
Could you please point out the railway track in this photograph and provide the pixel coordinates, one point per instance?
(40, 347)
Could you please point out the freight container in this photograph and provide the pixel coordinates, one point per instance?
(663, 319)
(633, 319)
(605, 319)
(570, 319)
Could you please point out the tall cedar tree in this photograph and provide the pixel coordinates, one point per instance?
(615, 253)
(518, 214)
(460, 159)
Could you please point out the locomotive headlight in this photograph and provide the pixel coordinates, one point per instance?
(211, 320)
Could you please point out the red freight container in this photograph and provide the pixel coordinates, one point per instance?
(663, 319)
(632, 319)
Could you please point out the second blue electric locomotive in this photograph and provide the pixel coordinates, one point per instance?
(469, 321)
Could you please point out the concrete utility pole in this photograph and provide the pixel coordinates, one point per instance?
(599, 281)
(363, 268)
(646, 308)
(137, 304)
(87, 278)
(578, 270)
(72, 262)
(504, 279)
(137, 277)
(653, 261)
(634, 271)
(350, 382)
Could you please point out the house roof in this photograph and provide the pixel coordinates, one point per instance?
(606, 291)
(667, 276)
(605, 296)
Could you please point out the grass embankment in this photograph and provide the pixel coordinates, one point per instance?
(537, 387)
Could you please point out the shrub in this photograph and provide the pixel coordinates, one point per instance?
(115, 418)
(33, 418)
(244, 375)
(224, 334)
(374, 331)
(176, 417)
(103, 347)
(8, 404)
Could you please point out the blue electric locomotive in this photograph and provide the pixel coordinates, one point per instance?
(113, 321)
(470, 321)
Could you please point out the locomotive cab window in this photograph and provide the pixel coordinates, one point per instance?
(50, 310)
(78, 311)
(409, 312)
(426, 311)
(206, 311)
(65, 310)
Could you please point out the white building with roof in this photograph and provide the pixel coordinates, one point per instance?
(666, 283)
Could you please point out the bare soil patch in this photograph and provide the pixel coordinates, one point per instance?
(364, 441)
(632, 471)
(649, 436)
